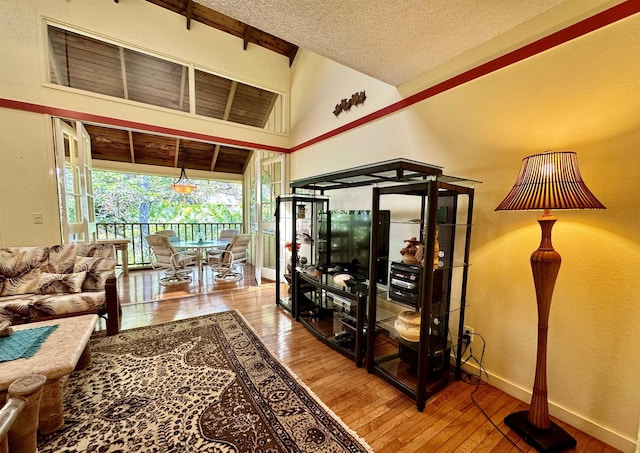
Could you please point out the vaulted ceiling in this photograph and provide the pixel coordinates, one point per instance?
(391, 41)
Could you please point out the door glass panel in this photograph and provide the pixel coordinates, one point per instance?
(71, 209)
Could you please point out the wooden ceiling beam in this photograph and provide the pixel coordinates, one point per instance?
(214, 159)
(246, 162)
(132, 148)
(189, 13)
(248, 32)
(123, 70)
(207, 16)
(232, 94)
(175, 159)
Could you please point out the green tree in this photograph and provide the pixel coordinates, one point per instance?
(130, 198)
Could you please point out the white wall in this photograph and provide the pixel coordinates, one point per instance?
(580, 96)
(27, 181)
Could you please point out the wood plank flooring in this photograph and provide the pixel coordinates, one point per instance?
(386, 418)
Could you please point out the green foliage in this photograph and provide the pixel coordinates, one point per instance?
(129, 198)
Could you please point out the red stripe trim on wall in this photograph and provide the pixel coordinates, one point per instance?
(581, 28)
(602, 19)
(105, 120)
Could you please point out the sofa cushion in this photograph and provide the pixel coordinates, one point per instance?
(60, 283)
(97, 250)
(97, 269)
(37, 306)
(61, 259)
(20, 269)
(15, 308)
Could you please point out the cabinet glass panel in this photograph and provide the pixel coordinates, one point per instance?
(418, 318)
(296, 236)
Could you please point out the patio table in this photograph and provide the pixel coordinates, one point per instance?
(201, 247)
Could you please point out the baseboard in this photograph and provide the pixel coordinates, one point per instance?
(600, 432)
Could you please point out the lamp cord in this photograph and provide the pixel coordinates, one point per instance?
(477, 380)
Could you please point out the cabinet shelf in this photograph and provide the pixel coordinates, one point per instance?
(332, 314)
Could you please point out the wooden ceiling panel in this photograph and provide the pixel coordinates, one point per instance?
(231, 160)
(212, 92)
(196, 155)
(109, 144)
(154, 149)
(154, 81)
(114, 145)
(85, 63)
(251, 105)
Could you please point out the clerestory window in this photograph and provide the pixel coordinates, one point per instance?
(90, 64)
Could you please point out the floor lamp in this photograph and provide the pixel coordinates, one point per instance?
(549, 180)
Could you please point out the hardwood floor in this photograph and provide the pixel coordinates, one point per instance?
(383, 416)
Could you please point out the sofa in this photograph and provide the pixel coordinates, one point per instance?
(40, 283)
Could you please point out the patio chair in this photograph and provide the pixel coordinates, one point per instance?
(227, 234)
(167, 257)
(173, 237)
(171, 234)
(215, 253)
(224, 265)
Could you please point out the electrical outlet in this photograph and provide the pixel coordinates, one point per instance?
(469, 331)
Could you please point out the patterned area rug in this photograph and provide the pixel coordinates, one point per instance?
(204, 384)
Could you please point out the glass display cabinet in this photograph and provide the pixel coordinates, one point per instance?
(419, 318)
(296, 241)
(384, 284)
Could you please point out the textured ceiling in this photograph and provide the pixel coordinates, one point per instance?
(393, 41)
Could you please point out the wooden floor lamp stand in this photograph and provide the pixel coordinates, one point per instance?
(553, 439)
(534, 425)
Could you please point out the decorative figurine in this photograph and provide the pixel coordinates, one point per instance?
(410, 250)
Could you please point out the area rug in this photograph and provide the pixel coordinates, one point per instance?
(204, 384)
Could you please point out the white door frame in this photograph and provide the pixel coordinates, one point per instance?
(75, 188)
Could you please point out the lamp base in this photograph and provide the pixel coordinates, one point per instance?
(554, 439)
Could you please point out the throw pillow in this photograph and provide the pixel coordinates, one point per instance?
(20, 268)
(97, 269)
(61, 259)
(60, 283)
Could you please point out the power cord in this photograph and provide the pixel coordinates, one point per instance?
(477, 380)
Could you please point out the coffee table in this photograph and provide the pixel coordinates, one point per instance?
(66, 349)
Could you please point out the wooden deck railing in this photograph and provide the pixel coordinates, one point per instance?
(139, 252)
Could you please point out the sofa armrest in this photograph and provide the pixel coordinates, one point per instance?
(113, 304)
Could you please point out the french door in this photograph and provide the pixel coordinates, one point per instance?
(268, 182)
(75, 188)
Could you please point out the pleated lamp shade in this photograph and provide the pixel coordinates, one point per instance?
(550, 180)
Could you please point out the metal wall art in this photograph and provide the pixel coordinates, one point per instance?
(346, 104)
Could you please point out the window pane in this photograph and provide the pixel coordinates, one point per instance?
(224, 99)
(84, 63)
(72, 209)
(157, 82)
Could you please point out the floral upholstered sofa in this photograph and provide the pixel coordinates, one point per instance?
(38, 283)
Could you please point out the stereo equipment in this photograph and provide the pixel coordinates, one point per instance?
(404, 284)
